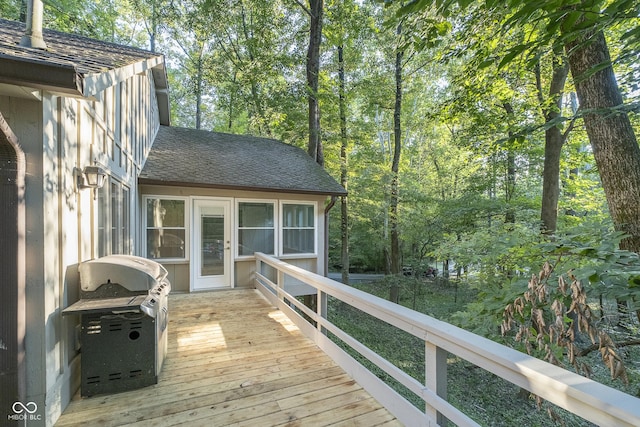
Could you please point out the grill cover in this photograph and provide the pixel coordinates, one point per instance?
(132, 272)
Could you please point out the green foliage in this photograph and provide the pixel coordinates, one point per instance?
(550, 322)
(10, 9)
(592, 255)
(494, 256)
(589, 251)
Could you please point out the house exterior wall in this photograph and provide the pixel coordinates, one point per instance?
(25, 119)
(60, 136)
(244, 267)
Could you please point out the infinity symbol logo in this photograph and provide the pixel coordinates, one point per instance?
(19, 407)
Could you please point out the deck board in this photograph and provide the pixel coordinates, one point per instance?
(233, 359)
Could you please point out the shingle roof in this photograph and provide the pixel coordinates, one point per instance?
(75, 65)
(197, 158)
(84, 54)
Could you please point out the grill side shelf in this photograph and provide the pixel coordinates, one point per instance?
(101, 305)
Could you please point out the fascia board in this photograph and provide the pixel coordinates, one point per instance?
(95, 83)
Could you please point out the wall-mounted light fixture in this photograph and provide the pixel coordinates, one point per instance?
(91, 177)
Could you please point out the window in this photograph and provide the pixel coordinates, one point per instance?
(103, 220)
(256, 228)
(125, 220)
(166, 228)
(116, 237)
(114, 231)
(298, 228)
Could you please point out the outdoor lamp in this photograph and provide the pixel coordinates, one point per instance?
(91, 177)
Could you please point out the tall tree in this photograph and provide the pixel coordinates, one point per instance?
(344, 168)
(555, 137)
(191, 33)
(397, 148)
(151, 12)
(614, 143)
(255, 67)
(510, 184)
(314, 9)
(581, 28)
(347, 32)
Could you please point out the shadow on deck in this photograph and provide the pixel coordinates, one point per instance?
(234, 359)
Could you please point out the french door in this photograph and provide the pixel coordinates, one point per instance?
(211, 255)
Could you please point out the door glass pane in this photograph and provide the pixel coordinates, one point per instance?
(212, 250)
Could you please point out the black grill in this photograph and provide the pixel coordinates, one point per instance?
(124, 317)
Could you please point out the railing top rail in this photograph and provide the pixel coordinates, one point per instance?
(550, 382)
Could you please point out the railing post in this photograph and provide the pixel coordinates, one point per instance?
(322, 309)
(280, 284)
(258, 269)
(435, 378)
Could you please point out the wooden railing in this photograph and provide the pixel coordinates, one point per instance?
(588, 399)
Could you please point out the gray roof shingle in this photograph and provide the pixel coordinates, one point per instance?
(197, 158)
(75, 65)
(84, 54)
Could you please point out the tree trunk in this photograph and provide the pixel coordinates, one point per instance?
(23, 11)
(611, 135)
(510, 187)
(199, 77)
(313, 70)
(397, 142)
(231, 101)
(554, 140)
(154, 27)
(344, 224)
(395, 166)
(573, 172)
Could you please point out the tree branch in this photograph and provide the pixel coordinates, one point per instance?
(305, 8)
(596, 346)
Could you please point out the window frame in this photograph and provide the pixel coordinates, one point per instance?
(237, 229)
(186, 227)
(282, 228)
(113, 218)
(102, 222)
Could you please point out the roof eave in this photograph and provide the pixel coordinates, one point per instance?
(59, 78)
(148, 181)
(64, 79)
(162, 92)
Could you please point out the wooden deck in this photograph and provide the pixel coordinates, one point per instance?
(235, 360)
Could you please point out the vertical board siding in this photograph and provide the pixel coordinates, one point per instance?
(9, 345)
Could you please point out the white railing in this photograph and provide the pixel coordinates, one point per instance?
(588, 399)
